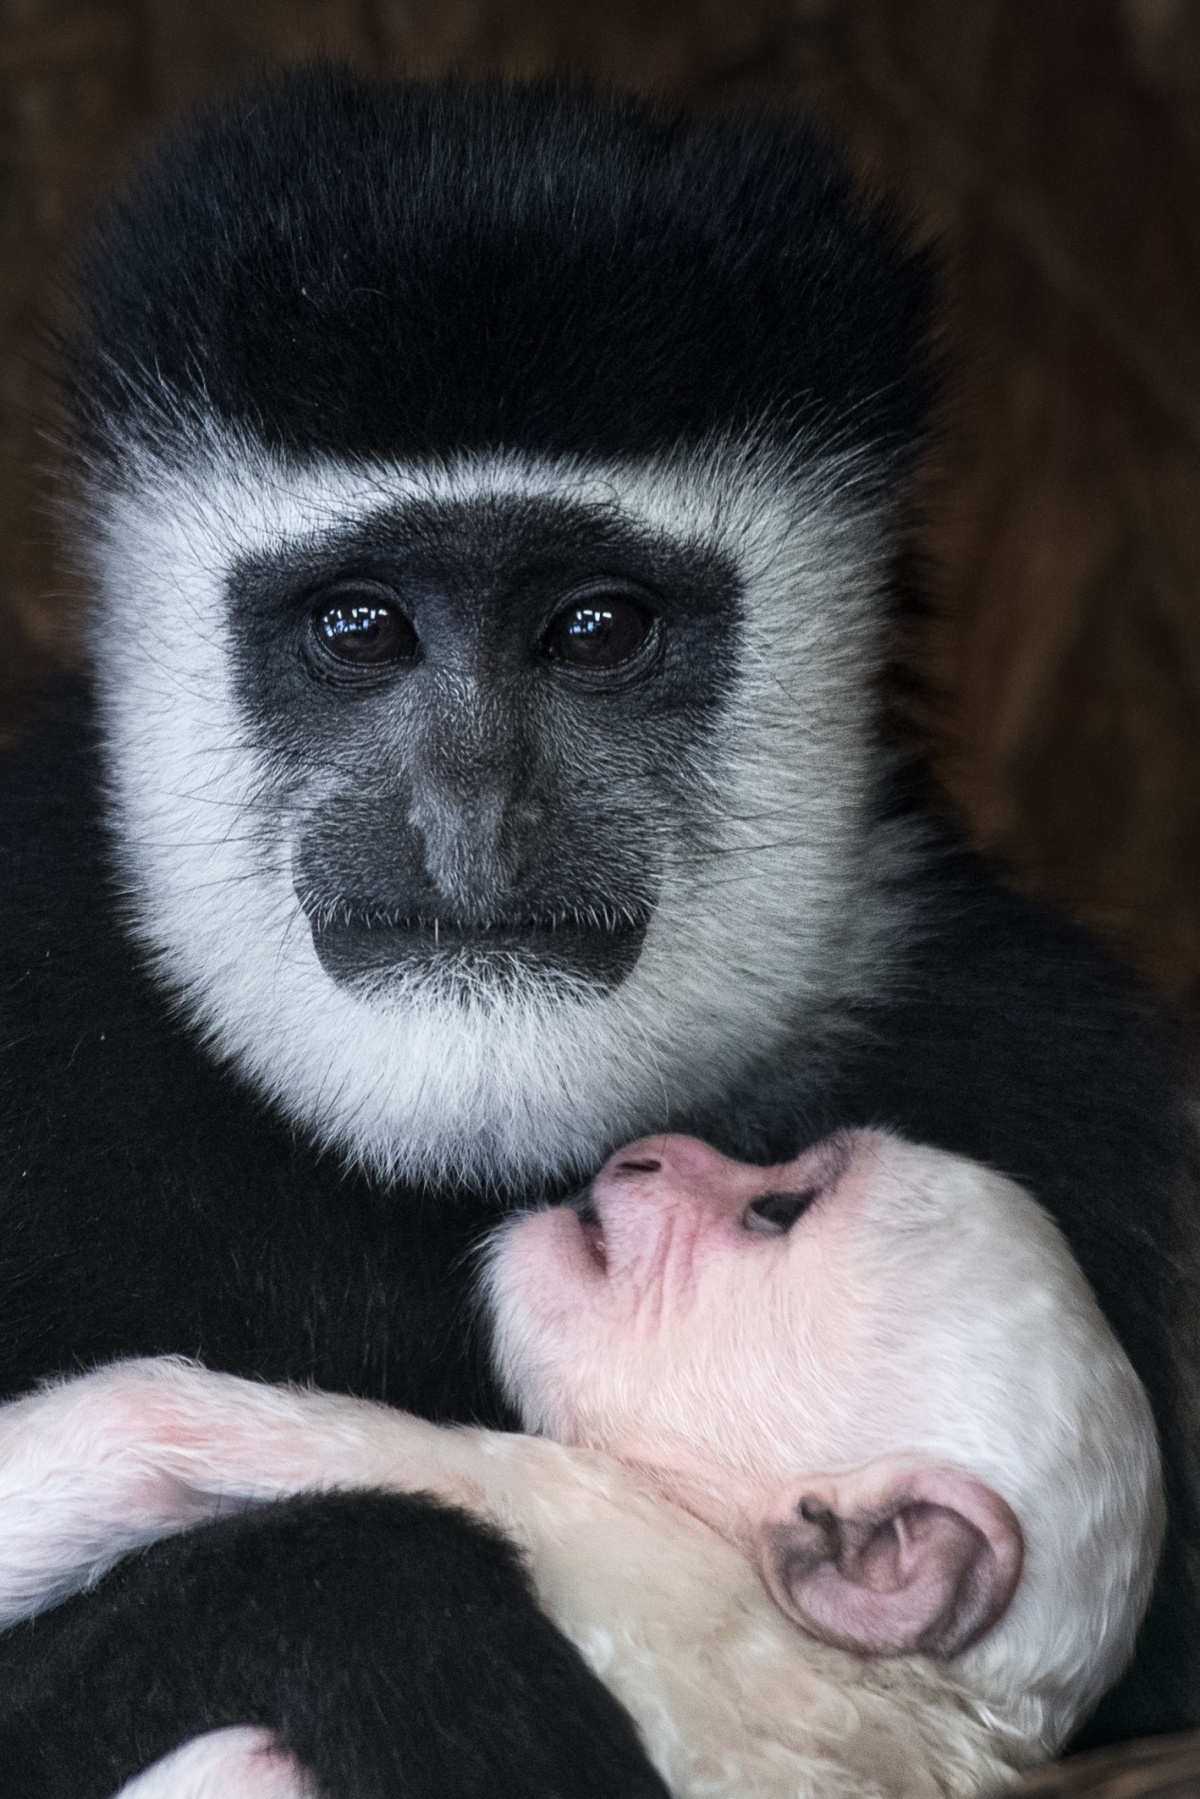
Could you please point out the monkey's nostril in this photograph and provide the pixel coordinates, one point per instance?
(637, 1167)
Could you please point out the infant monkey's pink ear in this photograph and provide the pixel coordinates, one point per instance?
(894, 1559)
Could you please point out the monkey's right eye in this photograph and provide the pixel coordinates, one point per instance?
(601, 629)
(774, 1214)
(361, 625)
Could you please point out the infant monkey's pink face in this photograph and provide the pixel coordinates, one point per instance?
(689, 1304)
(738, 1330)
(862, 1367)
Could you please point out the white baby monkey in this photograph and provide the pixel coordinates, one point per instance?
(843, 1485)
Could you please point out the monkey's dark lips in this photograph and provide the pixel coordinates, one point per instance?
(599, 948)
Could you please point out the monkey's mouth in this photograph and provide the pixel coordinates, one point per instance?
(598, 945)
(591, 1228)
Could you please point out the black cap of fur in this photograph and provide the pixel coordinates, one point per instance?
(401, 270)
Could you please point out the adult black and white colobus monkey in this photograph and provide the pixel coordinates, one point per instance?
(492, 503)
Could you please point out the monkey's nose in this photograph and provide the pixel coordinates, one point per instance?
(467, 854)
(675, 1166)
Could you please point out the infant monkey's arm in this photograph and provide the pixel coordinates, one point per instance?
(141, 1450)
(106, 1463)
(134, 1452)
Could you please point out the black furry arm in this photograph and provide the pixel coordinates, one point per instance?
(390, 1644)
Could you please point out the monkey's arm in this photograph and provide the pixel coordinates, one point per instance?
(106, 1463)
(389, 1644)
(102, 1465)
(331, 1621)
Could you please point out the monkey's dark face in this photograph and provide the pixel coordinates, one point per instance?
(498, 716)
(495, 493)
(495, 810)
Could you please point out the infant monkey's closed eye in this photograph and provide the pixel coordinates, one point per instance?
(777, 1211)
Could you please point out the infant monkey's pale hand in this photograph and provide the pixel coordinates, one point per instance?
(241, 1763)
(111, 1461)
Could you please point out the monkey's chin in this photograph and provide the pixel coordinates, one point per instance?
(470, 961)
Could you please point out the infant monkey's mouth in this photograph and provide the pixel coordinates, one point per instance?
(592, 1230)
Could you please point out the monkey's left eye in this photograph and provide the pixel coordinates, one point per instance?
(361, 624)
(774, 1214)
(598, 630)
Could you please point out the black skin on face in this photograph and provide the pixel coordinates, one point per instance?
(528, 826)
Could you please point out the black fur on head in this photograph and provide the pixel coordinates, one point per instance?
(412, 269)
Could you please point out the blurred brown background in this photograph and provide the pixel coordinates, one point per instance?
(1052, 145)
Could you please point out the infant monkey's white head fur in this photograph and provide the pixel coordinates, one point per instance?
(879, 1371)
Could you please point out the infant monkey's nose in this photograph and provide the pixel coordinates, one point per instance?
(681, 1162)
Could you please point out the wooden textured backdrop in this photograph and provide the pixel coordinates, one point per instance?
(1052, 145)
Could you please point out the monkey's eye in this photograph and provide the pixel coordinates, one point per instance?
(598, 630)
(774, 1214)
(360, 624)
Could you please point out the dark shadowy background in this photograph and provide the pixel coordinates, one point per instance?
(1053, 146)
